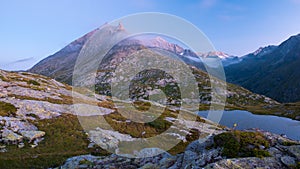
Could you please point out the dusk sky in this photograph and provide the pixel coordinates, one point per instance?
(32, 30)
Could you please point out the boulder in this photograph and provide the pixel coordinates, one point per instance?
(32, 135)
(9, 136)
(288, 161)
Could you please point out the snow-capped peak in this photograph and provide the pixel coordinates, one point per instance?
(218, 54)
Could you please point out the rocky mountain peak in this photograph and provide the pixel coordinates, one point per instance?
(264, 50)
(120, 27)
(218, 54)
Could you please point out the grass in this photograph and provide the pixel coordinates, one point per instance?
(181, 146)
(33, 82)
(3, 78)
(64, 138)
(7, 109)
(289, 143)
(32, 115)
(242, 144)
(64, 100)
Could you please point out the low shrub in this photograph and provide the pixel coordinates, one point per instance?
(33, 82)
(242, 144)
(7, 109)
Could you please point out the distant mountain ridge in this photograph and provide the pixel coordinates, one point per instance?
(272, 71)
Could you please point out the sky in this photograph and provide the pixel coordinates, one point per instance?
(32, 30)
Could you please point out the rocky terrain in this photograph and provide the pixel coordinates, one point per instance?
(252, 149)
(47, 123)
(39, 127)
(55, 67)
(39, 122)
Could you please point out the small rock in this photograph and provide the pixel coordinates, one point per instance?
(288, 161)
(36, 141)
(21, 145)
(91, 145)
(33, 145)
(262, 147)
(3, 150)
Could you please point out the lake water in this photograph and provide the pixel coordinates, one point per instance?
(246, 120)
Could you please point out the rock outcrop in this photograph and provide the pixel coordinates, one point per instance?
(200, 155)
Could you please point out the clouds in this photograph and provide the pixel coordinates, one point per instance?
(21, 64)
(23, 60)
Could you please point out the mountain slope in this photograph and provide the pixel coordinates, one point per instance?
(39, 127)
(271, 71)
(129, 46)
(61, 64)
(237, 97)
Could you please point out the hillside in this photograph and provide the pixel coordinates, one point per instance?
(40, 129)
(272, 71)
(237, 97)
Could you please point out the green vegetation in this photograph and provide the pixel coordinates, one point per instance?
(33, 82)
(32, 115)
(289, 143)
(118, 123)
(181, 146)
(64, 100)
(242, 144)
(85, 162)
(142, 106)
(7, 109)
(64, 138)
(3, 78)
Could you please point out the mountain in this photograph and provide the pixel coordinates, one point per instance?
(225, 58)
(55, 66)
(41, 129)
(60, 65)
(272, 71)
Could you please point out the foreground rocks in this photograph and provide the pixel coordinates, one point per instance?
(199, 155)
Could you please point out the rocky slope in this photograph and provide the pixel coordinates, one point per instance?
(272, 71)
(237, 97)
(39, 124)
(269, 151)
(39, 127)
